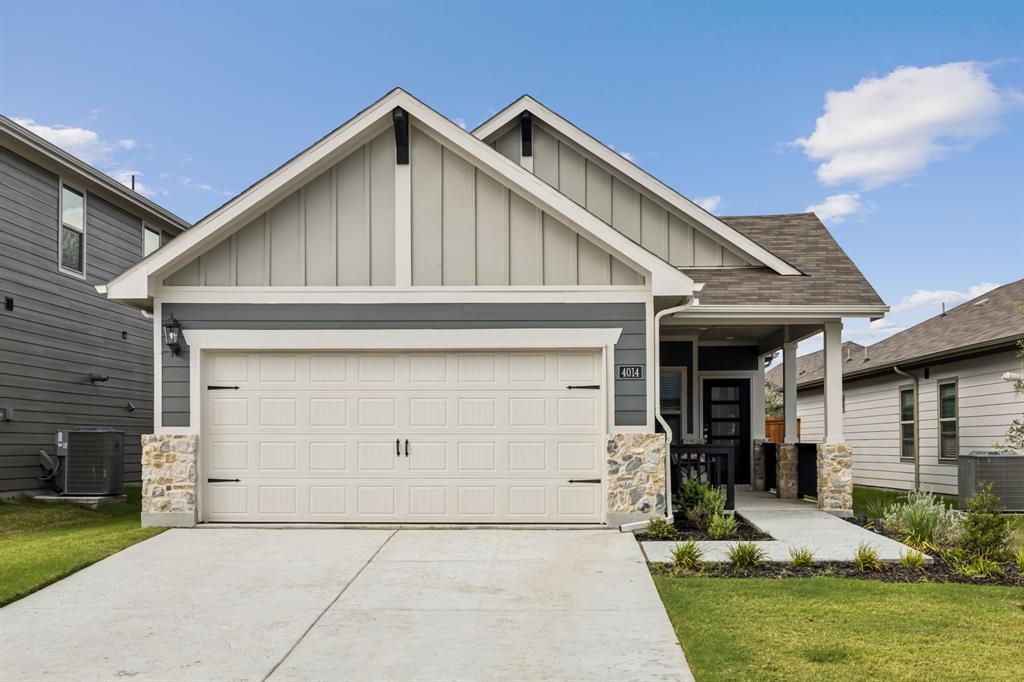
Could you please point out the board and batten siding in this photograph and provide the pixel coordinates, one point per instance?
(61, 329)
(619, 202)
(467, 230)
(630, 395)
(986, 403)
(338, 230)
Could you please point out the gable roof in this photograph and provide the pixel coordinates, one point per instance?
(829, 276)
(813, 364)
(991, 321)
(134, 284)
(15, 135)
(715, 226)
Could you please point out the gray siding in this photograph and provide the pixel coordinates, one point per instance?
(630, 396)
(61, 329)
(617, 201)
(337, 230)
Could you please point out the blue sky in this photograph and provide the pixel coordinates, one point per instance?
(200, 100)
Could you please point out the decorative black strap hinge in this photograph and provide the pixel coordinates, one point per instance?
(223, 480)
(591, 387)
(222, 388)
(584, 480)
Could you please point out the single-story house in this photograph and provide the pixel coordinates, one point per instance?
(914, 402)
(70, 359)
(409, 322)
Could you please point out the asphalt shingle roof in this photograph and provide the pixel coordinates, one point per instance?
(829, 276)
(990, 320)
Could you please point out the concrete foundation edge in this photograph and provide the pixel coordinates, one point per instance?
(169, 519)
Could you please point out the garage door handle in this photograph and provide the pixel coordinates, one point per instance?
(406, 447)
(398, 447)
(584, 480)
(223, 480)
(587, 386)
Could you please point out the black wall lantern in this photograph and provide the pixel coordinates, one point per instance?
(172, 335)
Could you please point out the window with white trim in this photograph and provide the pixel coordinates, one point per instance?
(949, 436)
(673, 399)
(151, 239)
(908, 439)
(72, 230)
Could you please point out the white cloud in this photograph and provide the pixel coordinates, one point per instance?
(203, 186)
(837, 207)
(710, 203)
(81, 142)
(891, 127)
(925, 298)
(124, 176)
(126, 144)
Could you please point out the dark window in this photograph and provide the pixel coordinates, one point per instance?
(72, 230)
(949, 443)
(908, 444)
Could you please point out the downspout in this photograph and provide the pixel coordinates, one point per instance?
(917, 424)
(657, 399)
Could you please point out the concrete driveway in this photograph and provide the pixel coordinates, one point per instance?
(253, 604)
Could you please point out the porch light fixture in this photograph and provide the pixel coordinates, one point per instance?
(172, 335)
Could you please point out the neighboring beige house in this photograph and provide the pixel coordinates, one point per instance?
(956, 361)
(409, 322)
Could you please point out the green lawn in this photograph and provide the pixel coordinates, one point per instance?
(42, 542)
(862, 496)
(843, 629)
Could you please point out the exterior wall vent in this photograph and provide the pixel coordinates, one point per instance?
(1004, 472)
(90, 461)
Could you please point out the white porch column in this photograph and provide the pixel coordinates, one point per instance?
(789, 391)
(835, 460)
(833, 382)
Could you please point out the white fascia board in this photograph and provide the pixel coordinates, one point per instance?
(135, 283)
(751, 314)
(665, 279)
(138, 282)
(615, 160)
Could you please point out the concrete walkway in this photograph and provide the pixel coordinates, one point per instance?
(256, 604)
(792, 523)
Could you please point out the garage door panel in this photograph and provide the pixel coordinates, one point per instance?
(421, 436)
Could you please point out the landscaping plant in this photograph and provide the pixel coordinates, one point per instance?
(986, 530)
(744, 555)
(912, 559)
(978, 567)
(866, 558)
(687, 555)
(923, 520)
(710, 505)
(659, 528)
(801, 557)
(722, 527)
(876, 508)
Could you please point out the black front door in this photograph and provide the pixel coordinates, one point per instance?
(727, 419)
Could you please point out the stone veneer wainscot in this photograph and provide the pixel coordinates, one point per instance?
(636, 476)
(169, 479)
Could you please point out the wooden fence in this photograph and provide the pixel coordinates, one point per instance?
(775, 429)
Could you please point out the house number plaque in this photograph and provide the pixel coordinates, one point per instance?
(630, 371)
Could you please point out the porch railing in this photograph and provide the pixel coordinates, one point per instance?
(712, 464)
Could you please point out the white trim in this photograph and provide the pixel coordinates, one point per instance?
(637, 175)
(158, 368)
(380, 295)
(753, 314)
(833, 377)
(138, 282)
(71, 272)
(403, 224)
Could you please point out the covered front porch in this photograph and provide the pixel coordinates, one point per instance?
(710, 391)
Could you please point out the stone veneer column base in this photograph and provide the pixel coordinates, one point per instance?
(835, 479)
(786, 471)
(169, 480)
(759, 469)
(636, 477)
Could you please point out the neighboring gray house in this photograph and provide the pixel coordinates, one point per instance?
(65, 228)
(956, 360)
(409, 322)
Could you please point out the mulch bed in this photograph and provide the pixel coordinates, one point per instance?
(937, 572)
(686, 531)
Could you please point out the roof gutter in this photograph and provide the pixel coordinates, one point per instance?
(917, 426)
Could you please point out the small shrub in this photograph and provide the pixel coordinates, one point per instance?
(866, 558)
(690, 494)
(687, 555)
(1018, 558)
(923, 519)
(744, 555)
(801, 557)
(986, 531)
(876, 508)
(978, 567)
(722, 527)
(710, 505)
(659, 528)
(912, 559)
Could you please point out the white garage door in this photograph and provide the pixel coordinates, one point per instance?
(468, 437)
